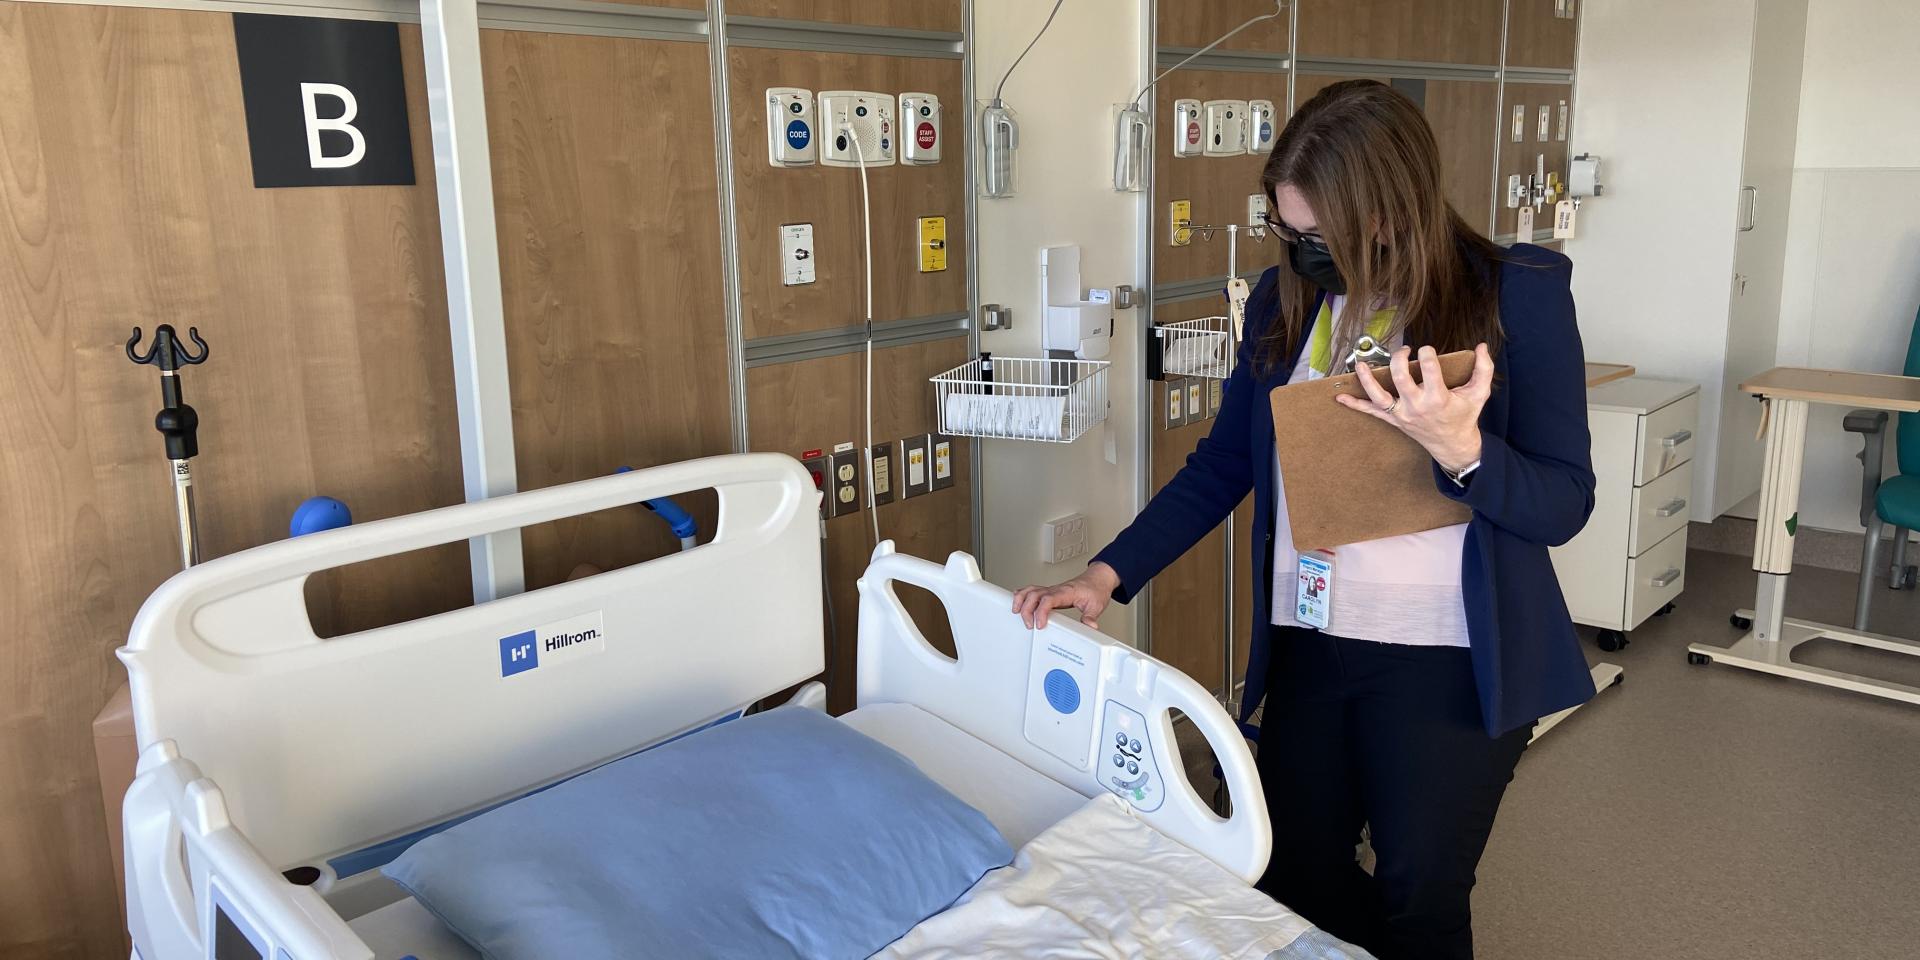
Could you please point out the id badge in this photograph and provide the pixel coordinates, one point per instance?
(1315, 589)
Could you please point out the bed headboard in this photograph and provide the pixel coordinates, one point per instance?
(324, 746)
(1057, 700)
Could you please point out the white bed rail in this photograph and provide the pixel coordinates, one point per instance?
(324, 749)
(1010, 685)
(192, 878)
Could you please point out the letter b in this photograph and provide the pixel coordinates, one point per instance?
(350, 108)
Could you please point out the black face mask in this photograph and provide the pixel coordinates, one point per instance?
(1315, 262)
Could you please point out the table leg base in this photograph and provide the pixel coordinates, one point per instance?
(1776, 656)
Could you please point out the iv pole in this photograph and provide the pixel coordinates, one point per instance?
(178, 424)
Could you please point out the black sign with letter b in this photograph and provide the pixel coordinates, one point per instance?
(326, 101)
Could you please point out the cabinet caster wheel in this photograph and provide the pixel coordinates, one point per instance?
(1740, 623)
(1611, 640)
(1663, 611)
(1618, 679)
(1698, 659)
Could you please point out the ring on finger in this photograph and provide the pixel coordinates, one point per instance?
(1395, 405)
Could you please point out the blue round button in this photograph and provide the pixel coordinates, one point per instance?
(1062, 692)
(798, 134)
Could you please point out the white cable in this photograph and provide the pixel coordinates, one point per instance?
(1279, 7)
(866, 223)
(1023, 54)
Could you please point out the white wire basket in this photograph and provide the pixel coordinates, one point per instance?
(1055, 401)
(1197, 348)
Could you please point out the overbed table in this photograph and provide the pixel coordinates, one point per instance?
(1772, 636)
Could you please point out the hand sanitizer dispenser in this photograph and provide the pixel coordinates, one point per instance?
(1081, 325)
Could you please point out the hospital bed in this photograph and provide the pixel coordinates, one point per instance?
(278, 770)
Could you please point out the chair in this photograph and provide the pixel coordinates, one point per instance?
(1895, 500)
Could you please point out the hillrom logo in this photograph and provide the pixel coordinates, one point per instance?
(556, 642)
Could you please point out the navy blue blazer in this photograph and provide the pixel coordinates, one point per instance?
(1534, 489)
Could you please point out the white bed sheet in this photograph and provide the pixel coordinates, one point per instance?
(1102, 885)
(1020, 801)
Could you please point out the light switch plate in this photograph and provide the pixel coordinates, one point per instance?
(882, 473)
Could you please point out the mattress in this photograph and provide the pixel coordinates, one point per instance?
(1020, 801)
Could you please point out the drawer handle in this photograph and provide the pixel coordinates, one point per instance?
(1667, 579)
(1674, 440)
(1673, 506)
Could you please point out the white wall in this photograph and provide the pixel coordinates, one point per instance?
(1661, 98)
(1065, 195)
(1852, 277)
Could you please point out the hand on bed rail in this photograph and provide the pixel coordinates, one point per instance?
(1090, 592)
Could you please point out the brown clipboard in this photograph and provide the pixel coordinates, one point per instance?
(1349, 477)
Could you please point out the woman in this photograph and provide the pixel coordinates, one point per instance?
(1409, 710)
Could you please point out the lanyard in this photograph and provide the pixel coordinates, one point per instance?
(1320, 359)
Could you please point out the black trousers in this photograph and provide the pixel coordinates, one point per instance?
(1386, 735)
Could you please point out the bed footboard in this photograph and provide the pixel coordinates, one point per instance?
(1086, 710)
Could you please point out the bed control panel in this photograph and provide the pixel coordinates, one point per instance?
(1127, 768)
(1061, 677)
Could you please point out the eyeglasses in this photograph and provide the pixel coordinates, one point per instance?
(1289, 235)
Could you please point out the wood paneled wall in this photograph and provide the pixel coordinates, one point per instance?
(606, 197)
(1523, 158)
(1537, 38)
(1435, 31)
(1217, 187)
(1190, 25)
(818, 403)
(944, 15)
(126, 198)
(1392, 37)
(829, 198)
(815, 404)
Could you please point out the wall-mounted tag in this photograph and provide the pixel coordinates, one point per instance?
(1524, 227)
(1237, 294)
(1563, 220)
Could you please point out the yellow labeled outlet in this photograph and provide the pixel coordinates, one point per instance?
(1182, 214)
(933, 244)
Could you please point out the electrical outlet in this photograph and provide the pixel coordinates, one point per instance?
(1179, 214)
(942, 448)
(882, 473)
(1196, 401)
(844, 491)
(1216, 393)
(916, 474)
(1176, 401)
(1063, 538)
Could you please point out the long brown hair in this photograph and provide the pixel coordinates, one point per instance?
(1365, 159)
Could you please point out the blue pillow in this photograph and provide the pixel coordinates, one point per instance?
(781, 834)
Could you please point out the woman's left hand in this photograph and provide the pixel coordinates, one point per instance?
(1444, 421)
